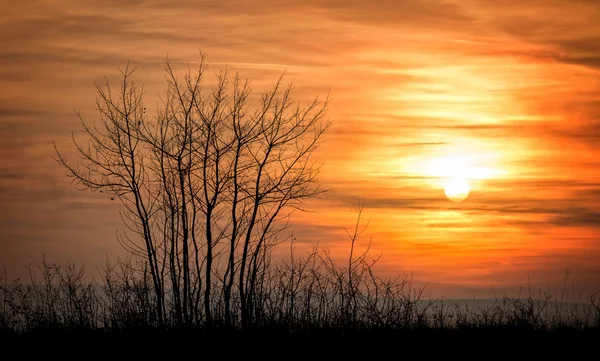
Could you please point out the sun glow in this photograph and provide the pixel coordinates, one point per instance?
(457, 189)
(454, 173)
(464, 167)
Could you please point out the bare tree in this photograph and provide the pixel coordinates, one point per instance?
(206, 186)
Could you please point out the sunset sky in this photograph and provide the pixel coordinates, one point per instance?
(503, 94)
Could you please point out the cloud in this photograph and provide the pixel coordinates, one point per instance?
(398, 13)
(520, 203)
(420, 144)
(567, 34)
(578, 51)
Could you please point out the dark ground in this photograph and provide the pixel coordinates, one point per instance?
(465, 343)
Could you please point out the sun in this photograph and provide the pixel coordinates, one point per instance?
(457, 189)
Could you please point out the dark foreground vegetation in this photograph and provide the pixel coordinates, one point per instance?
(305, 303)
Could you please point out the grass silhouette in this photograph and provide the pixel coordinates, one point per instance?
(306, 300)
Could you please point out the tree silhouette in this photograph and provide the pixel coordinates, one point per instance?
(206, 186)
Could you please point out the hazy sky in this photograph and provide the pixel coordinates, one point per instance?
(502, 93)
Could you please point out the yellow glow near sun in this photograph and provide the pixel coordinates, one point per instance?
(454, 172)
(458, 167)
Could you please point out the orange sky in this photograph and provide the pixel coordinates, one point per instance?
(504, 93)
